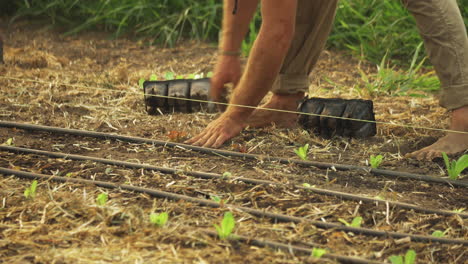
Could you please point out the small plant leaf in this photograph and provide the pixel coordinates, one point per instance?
(306, 185)
(227, 174)
(227, 226)
(343, 221)
(438, 233)
(141, 82)
(357, 221)
(302, 151)
(318, 252)
(153, 77)
(410, 257)
(101, 199)
(375, 161)
(169, 75)
(9, 142)
(215, 198)
(159, 220)
(30, 192)
(396, 259)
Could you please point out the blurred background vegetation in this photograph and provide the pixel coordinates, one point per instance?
(370, 29)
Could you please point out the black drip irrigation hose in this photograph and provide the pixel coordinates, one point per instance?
(321, 165)
(254, 212)
(289, 248)
(205, 175)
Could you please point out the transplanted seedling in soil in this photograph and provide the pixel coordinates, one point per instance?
(455, 168)
(409, 258)
(159, 220)
(375, 161)
(357, 221)
(439, 233)
(227, 226)
(302, 151)
(30, 192)
(318, 252)
(101, 199)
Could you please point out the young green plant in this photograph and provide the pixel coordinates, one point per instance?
(318, 252)
(375, 161)
(101, 199)
(357, 221)
(455, 168)
(159, 220)
(227, 226)
(302, 151)
(30, 192)
(409, 258)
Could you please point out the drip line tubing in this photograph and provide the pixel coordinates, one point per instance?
(204, 175)
(254, 212)
(321, 165)
(289, 248)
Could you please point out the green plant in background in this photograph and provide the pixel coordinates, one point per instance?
(318, 252)
(409, 258)
(375, 161)
(302, 151)
(455, 168)
(390, 81)
(101, 199)
(30, 192)
(159, 220)
(357, 221)
(227, 226)
(9, 142)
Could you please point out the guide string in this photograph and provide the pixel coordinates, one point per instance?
(228, 104)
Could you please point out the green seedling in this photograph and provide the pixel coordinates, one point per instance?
(357, 221)
(318, 252)
(455, 168)
(9, 142)
(306, 185)
(30, 192)
(227, 175)
(141, 82)
(169, 76)
(409, 258)
(101, 199)
(302, 151)
(227, 226)
(153, 77)
(459, 210)
(439, 233)
(159, 220)
(375, 161)
(215, 198)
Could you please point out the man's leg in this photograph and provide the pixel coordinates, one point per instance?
(445, 38)
(314, 22)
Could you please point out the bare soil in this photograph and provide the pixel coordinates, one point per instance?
(90, 82)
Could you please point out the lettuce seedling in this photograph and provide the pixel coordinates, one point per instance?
(169, 76)
(375, 161)
(455, 168)
(302, 151)
(409, 258)
(439, 233)
(227, 226)
(318, 252)
(101, 199)
(9, 142)
(141, 82)
(30, 192)
(153, 77)
(159, 220)
(357, 221)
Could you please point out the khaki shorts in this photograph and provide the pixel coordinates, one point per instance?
(440, 25)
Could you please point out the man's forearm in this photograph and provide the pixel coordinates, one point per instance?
(267, 56)
(235, 27)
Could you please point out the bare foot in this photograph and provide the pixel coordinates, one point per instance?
(452, 143)
(263, 118)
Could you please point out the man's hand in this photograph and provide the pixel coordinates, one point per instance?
(227, 70)
(218, 131)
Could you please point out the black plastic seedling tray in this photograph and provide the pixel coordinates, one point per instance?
(184, 95)
(323, 123)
